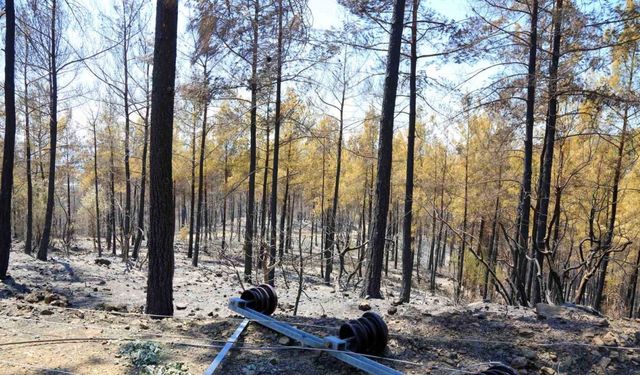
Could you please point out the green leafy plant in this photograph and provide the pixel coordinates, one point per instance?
(141, 353)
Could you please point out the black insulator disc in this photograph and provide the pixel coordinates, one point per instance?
(251, 298)
(371, 334)
(263, 300)
(352, 331)
(381, 331)
(273, 298)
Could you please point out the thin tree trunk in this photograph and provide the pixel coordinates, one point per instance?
(331, 222)
(143, 176)
(203, 142)
(193, 193)
(407, 251)
(524, 208)
(112, 217)
(126, 230)
(371, 286)
(28, 243)
(284, 211)
(276, 152)
(53, 134)
(251, 194)
(8, 154)
(263, 202)
(544, 183)
(460, 275)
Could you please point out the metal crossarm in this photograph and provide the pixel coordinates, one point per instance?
(232, 340)
(306, 339)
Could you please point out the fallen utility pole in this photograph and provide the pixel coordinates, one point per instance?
(336, 345)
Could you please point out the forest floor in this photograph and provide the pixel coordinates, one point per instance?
(72, 315)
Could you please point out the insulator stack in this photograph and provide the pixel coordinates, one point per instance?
(367, 335)
(262, 299)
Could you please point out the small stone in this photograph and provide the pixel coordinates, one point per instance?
(480, 316)
(181, 306)
(604, 362)
(523, 332)
(547, 371)
(34, 297)
(285, 341)
(392, 310)
(529, 354)
(50, 297)
(363, 306)
(143, 325)
(602, 322)
(273, 361)
(102, 262)
(610, 339)
(46, 312)
(519, 362)
(597, 341)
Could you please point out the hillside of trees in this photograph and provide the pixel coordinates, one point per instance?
(411, 152)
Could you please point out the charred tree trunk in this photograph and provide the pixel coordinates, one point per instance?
(126, 229)
(251, 194)
(371, 286)
(203, 142)
(161, 209)
(331, 222)
(518, 275)
(193, 193)
(544, 183)
(28, 242)
(8, 154)
(276, 151)
(143, 176)
(407, 251)
(53, 134)
(263, 208)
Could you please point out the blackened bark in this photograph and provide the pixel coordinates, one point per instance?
(95, 185)
(143, 176)
(203, 138)
(276, 151)
(126, 229)
(544, 183)
(112, 195)
(192, 211)
(28, 242)
(161, 208)
(524, 209)
(263, 208)
(463, 247)
(371, 286)
(53, 134)
(9, 138)
(251, 210)
(407, 251)
(331, 222)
